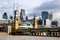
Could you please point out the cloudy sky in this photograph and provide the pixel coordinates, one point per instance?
(31, 7)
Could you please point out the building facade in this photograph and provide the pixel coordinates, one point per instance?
(5, 16)
(47, 18)
(54, 23)
(22, 15)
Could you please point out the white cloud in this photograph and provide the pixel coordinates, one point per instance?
(28, 5)
(56, 15)
(51, 5)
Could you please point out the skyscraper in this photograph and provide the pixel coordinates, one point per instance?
(11, 17)
(26, 18)
(46, 17)
(5, 16)
(22, 15)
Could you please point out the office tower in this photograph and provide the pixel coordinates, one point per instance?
(11, 17)
(5, 16)
(46, 17)
(26, 18)
(40, 22)
(22, 15)
(54, 23)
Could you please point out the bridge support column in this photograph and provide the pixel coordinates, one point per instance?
(58, 34)
(9, 29)
(51, 33)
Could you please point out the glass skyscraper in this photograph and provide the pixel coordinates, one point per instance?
(5, 16)
(46, 17)
(22, 15)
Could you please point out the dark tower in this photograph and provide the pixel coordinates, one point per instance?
(5, 16)
(26, 18)
(22, 15)
(11, 17)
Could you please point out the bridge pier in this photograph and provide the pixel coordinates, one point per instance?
(9, 29)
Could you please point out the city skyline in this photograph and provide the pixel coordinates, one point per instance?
(30, 18)
(30, 6)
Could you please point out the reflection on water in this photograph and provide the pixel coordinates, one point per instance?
(27, 38)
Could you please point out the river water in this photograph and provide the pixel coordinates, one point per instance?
(28, 38)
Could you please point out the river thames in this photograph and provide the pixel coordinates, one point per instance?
(5, 36)
(28, 38)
